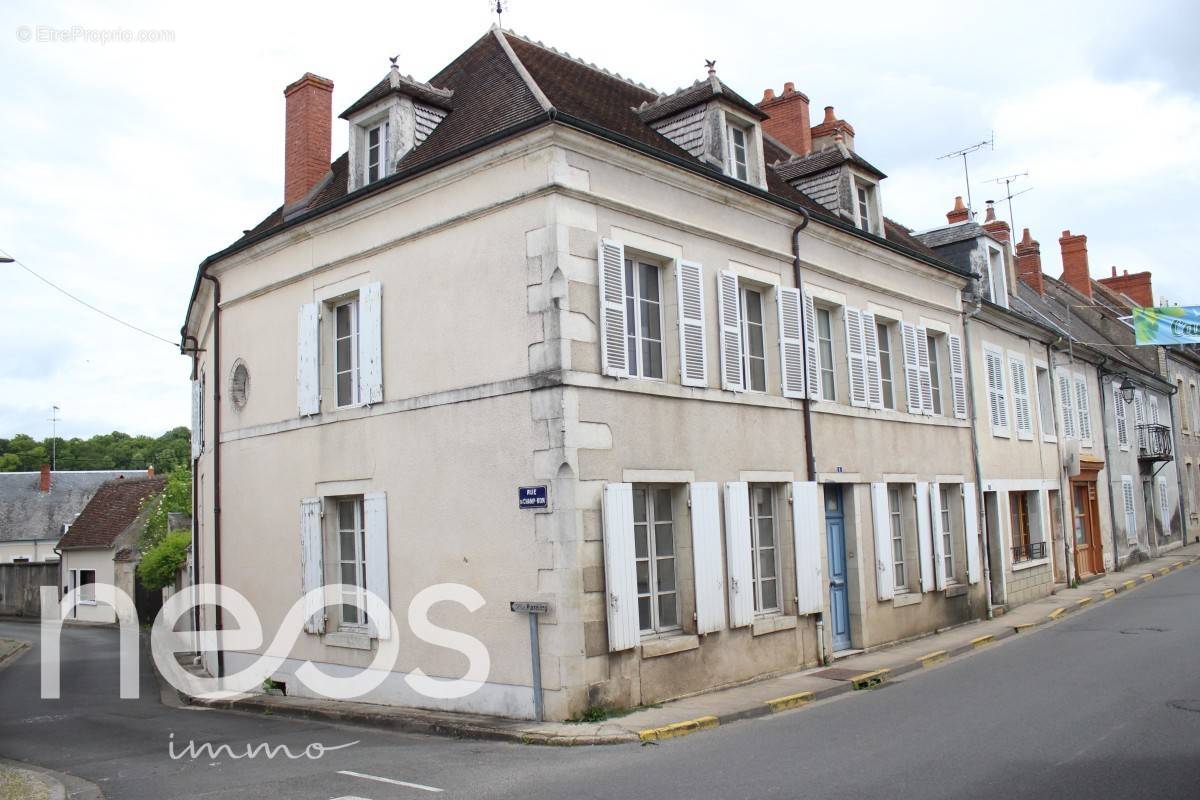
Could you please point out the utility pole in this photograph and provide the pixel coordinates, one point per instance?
(963, 153)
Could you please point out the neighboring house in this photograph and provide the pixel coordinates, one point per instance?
(1183, 370)
(36, 508)
(531, 273)
(101, 545)
(1016, 428)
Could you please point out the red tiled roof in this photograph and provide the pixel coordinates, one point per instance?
(111, 510)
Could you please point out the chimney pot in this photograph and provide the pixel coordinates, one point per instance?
(829, 116)
(768, 95)
(308, 125)
(959, 213)
(990, 216)
(44, 479)
(789, 88)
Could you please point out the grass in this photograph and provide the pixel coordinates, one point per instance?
(602, 713)
(20, 785)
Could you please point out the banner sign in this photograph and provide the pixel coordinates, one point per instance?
(1167, 325)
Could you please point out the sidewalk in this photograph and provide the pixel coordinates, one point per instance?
(760, 698)
(20, 781)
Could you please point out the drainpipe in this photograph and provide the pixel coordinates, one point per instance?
(195, 463)
(981, 507)
(216, 482)
(1065, 495)
(1112, 503)
(810, 461)
(1175, 456)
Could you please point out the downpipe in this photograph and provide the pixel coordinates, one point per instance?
(981, 502)
(219, 620)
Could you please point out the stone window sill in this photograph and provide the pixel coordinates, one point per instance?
(955, 589)
(902, 599)
(668, 645)
(1024, 565)
(774, 624)
(352, 641)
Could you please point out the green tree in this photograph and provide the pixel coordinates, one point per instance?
(114, 450)
(160, 564)
(175, 496)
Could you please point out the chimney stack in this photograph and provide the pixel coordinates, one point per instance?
(959, 213)
(998, 228)
(1136, 286)
(789, 120)
(307, 130)
(1075, 263)
(825, 134)
(44, 479)
(1029, 263)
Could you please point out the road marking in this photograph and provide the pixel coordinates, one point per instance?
(1058, 612)
(1149, 576)
(1130, 584)
(1024, 627)
(392, 781)
(980, 641)
(1109, 593)
(678, 729)
(350, 797)
(1083, 601)
(1164, 570)
(929, 659)
(790, 701)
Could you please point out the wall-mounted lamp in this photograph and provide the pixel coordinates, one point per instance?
(1127, 390)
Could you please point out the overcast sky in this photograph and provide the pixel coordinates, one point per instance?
(123, 164)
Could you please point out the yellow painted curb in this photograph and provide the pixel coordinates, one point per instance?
(1024, 627)
(1164, 571)
(1130, 584)
(1149, 576)
(980, 641)
(1178, 564)
(1083, 601)
(790, 701)
(1110, 592)
(1056, 613)
(678, 729)
(869, 679)
(929, 659)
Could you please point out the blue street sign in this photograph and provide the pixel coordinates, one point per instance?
(532, 497)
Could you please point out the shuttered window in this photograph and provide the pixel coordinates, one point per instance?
(812, 365)
(1130, 508)
(925, 538)
(1066, 401)
(881, 517)
(614, 357)
(654, 550)
(997, 396)
(708, 568)
(958, 378)
(620, 570)
(729, 314)
(1022, 407)
(754, 341)
(791, 343)
(1139, 418)
(935, 374)
(1045, 399)
(912, 368)
(643, 319)
(739, 552)
(870, 334)
(312, 550)
(764, 558)
(308, 376)
(971, 521)
(924, 375)
(1083, 412)
(693, 349)
(896, 542)
(1119, 413)
(370, 344)
(855, 355)
(808, 526)
(887, 382)
(825, 354)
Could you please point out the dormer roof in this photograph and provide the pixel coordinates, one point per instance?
(822, 160)
(395, 83)
(699, 92)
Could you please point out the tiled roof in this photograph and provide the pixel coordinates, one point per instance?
(27, 513)
(698, 92)
(426, 93)
(829, 158)
(110, 512)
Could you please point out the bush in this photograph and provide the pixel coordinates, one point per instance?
(160, 564)
(175, 496)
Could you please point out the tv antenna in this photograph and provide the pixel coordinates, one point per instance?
(990, 143)
(53, 437)
(498, 7)
(1008, 181)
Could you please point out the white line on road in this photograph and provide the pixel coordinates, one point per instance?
(392, 781)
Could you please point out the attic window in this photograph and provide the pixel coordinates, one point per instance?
(239, 385)
(376, 152)
(738, 153)
(866, 205)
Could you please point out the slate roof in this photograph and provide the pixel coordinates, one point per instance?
(699, 92)
(822, 160)
(426, 93)
(26, 513)
(495, 95)
(110, 512)
(950, 234)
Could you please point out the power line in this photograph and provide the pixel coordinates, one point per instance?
(86, 304)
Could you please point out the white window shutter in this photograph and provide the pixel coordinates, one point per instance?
(1130, 509)
(614, 355)
(997, 396)
(924, 537)
(807, 519)
(912, 368)
(620, 568)
(370, 344)
(971, 520)
(729, 314)
(693, 349)
(939, 545)
(1022, 409)
(1066, 399)
(885, 582)
(308, 378)
(1154, 420)
(1164, 503)
(958, 379)
(871, 355)
(923, 365)
(1083, 413)
(738, 555)
(856, 357)
(1122, 423)
(197, 422)
(707, 563)
(375, 526)
(812, 365)
(791, 343)
(1139, 418)
(312, 556)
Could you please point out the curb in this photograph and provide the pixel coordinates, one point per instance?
(15, 654)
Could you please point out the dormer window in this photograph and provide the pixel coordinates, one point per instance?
(995, 283)
(738, 159)
(376, 153)
(866, 205)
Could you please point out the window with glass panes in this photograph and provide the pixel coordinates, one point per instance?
(825, 352)
(737, 152)
(1018, 504)
(345, 352)
(376, 152)
(896, 514)
(351, 556)
(754, 353)
(935, 373)
(643, 319)
(883, 336)
(864, 208)
(946, 526)
(764, 548)
(654, 549)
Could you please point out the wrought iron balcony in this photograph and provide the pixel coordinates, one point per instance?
(1029, 552)
(1154, 442)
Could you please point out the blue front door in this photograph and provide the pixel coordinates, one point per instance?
(839, 601)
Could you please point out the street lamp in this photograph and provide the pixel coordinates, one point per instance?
(1127, 390)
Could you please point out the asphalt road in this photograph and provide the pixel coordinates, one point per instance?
(1104, 704)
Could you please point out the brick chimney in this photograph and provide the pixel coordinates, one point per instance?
(1136, 286)
(824, 135)
(1075, 263)
(959, 213)
(307, 130)
(998, 228)
(44, 479)
(789, 120)
(1029, 263)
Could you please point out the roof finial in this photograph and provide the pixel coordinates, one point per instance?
(394, 59)
(498, 8)
(711, 64)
